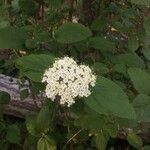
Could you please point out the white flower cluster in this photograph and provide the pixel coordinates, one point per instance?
(68, 80)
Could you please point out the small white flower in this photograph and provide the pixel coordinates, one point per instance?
(68, 80)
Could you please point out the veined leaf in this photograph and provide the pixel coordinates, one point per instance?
(135, 140)
(12, 38)
(102, 44)
(33, 66)
(45, 143)
(141, 2)
(72, 32)
(142, 107)
(108, 97)
(4, 98)
(140, 79)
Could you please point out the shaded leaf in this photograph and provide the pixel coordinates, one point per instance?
(142, 107)
(13, 134)
(129, 60)
(45, 143)
(100, 68)
(45, 117)
(101, 43)
(133, 43)
(147, 25)
(24, 94)
(135, 140)
(72, 32)
(4, 98)
(146, 147)
(140, 79)
(31, 124)
(101, 141)
(12, 38)
(141, 2)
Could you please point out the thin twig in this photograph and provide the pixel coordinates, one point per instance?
(72, 138)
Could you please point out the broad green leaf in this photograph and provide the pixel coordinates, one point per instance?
(147, 25)
(135, 140)
(101, 141)
(146, 52)
(12, 38)
(140, 79)
(13, 134)
(99, 23)
(146, 147)
(31, 125)
(133, 43)
(46, 117)
(28, 7)
(146, 46)
(4, 23)
(4, 98)
(42, 121)
(15, 5)
(129, 60)
(100, 68)
(108, 97)
(55, 3)
(33, 66)
(142, 107)
(72, 32)
(141, 2)
(102, 44)
(30, 142)
(45, 143)
(24, 94)
(96, 122)
(121, 68)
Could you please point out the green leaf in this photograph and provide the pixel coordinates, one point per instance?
(135, 140)
(129, 60)
(33, 66)
(146, 53)
(12, 38)
(96, 122)
(142, 107)
(146, 147)
(28, 7)
(101, 141)
(108, 97)
(147, 25)
(99, 23)
(141, 2)
(120, 68)
(46, 117)
(24, 94)
(101, 43)
(55, 3)
(13, 134)
(140, 79)
(45, 143)
(72, 32)
(4, 98)
(100, 68)
(4, 23)
(133, 43)
(31, 125)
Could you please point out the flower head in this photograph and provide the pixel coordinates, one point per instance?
(68, 80)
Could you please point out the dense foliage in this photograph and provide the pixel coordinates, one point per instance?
(112, 37)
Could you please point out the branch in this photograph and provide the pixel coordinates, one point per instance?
(16, 107)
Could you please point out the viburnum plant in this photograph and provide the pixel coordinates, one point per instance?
(88, 61)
